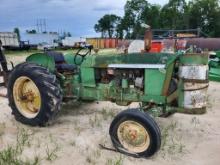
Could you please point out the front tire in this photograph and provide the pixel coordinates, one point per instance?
(135, 133)
(34, 94)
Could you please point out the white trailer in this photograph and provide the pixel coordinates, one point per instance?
(72, 41)
(40, 38)
(9, 39)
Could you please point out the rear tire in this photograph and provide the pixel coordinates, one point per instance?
(39, 106)
(135, 133)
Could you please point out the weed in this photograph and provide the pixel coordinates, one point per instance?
(171, 143)
(195, 121)
(165, 133)
(73, 143)
(78, 130)
(209, 102)
(23, 139)
(11, 155)
(51, 154)
(90, 160)
(97, 153)
(95, 122)
(38, 144)
(107, 114)
(181, 148)
(117, 161)
(2, 128)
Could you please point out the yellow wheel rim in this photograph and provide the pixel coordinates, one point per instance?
(133, 136)
(27, 97)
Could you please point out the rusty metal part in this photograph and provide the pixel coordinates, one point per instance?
(212, 44)
(147, 40)
(190, 86)
(195, 99)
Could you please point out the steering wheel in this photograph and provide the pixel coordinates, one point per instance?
(82, 53)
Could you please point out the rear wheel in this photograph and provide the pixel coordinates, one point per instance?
(135, 133)
(34, 94)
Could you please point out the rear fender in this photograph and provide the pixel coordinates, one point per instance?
(43, 60)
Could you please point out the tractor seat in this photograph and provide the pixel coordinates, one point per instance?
(60, 62)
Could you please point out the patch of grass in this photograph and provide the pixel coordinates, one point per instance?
(107, 114)
(97, 153)
(95, 121)
(90, 160)
(23, 139)
(73, 143)
(78, 130)
(181, 148)
(9, 156)
(51, 153)
(171, 143)
(116, 161)
(165, 133)
(209, 102)
(92, 156)
(12, 154)
(195, 121)
(2, 129)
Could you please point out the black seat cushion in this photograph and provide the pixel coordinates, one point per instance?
(60, 61)
(57, 56)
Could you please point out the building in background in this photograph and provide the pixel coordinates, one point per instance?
(39, 38)
(9, 39)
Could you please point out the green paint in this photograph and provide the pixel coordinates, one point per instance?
(190, 59)
(124, 83)
(43, 60)
(214, 69)
(153, 82)
(88, 77)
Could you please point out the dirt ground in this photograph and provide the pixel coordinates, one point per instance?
(75, 135)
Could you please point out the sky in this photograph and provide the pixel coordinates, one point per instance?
(75, 16)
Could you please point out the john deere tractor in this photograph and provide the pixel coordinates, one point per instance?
(162, 83)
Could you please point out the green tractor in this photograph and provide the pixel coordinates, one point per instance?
(163, 84)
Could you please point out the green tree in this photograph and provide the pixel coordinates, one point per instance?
(31, 31)
(107, 25)
(205, 14)
(17, 31)
(174, 15)
(69, 34)
(151, 16)
(138, 12)
(134, 10)
(120, 30)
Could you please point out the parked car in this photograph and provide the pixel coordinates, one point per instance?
(45, 46)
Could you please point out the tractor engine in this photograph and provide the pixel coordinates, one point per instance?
(123, 78)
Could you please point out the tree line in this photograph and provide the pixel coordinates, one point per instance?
(175, 15)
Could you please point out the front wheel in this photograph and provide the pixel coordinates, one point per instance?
(34, 94)
(135, 133)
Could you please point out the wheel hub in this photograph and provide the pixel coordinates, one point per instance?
(27, 97)
(133, 136)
